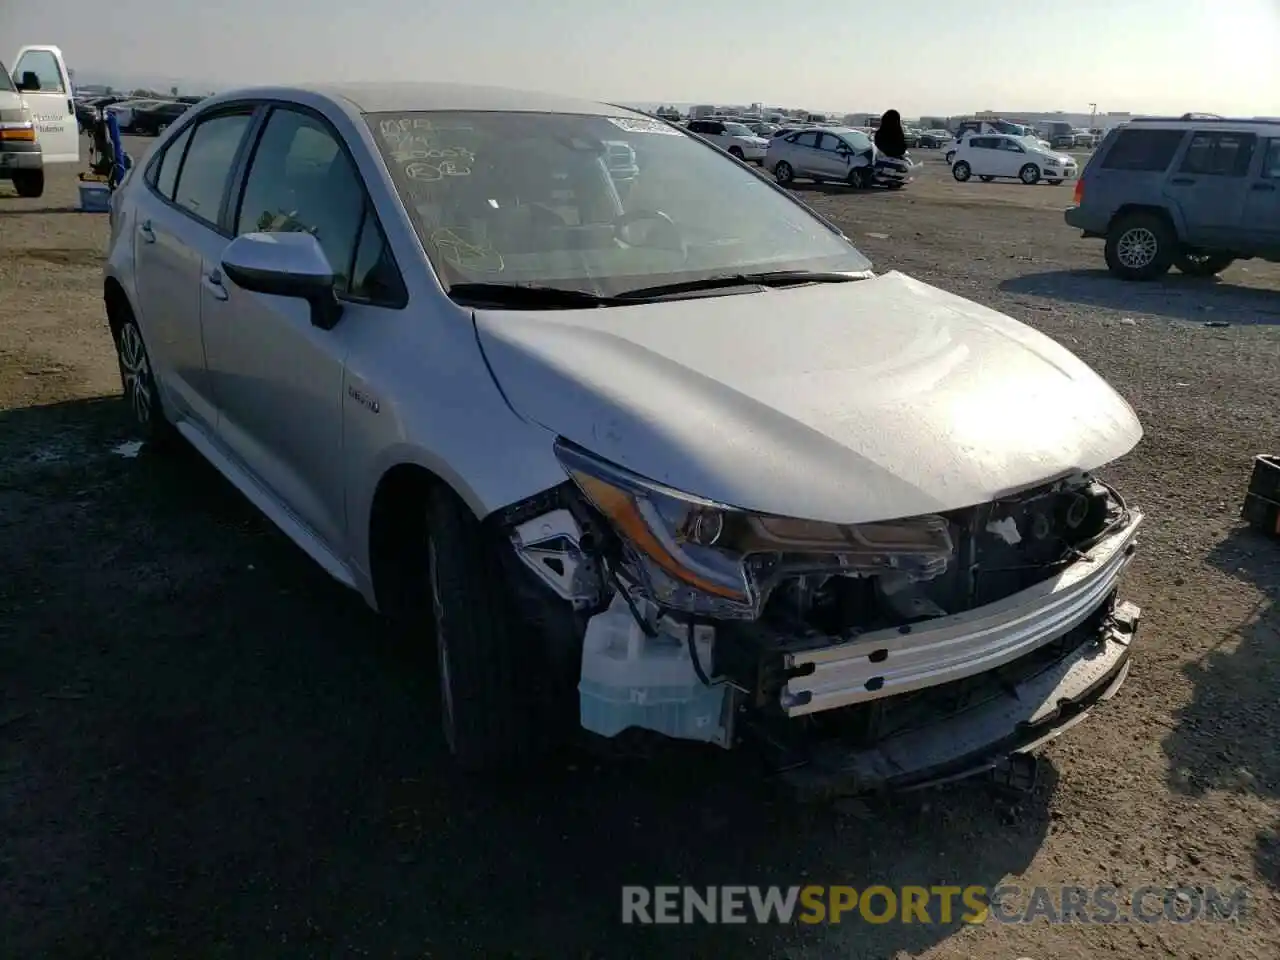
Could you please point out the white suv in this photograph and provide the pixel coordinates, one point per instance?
(997, 155)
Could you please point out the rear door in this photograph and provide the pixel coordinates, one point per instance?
(46, 87)
(1208, 185)
(981, 155)
(1261, 215)
(805, 159)
(176, 229)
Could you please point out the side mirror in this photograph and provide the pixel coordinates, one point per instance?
(285, 265)
(29, 81)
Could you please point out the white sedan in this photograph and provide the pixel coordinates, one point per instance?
(735, 138)
(998, 155)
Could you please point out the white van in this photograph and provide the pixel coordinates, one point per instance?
(20, 158)
(41, 76)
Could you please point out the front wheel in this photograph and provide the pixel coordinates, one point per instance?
(1139, 247)
(961, 171)
(29, 183)
(736, 153)
(1196, 264)
(860, 178)
(489, 682)
(783, 172)
(1029, 174)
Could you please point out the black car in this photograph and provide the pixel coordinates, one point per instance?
(149, 121)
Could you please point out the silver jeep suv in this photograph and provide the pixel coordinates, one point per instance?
(1195, 192)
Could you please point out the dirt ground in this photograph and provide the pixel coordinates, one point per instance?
(208, 749)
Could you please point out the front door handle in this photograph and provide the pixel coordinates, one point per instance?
(1270, 187)
(1183, 181)
(148, 235)
(71, 106)
(213, 283)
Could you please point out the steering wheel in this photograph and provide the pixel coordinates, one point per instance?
(667, 236)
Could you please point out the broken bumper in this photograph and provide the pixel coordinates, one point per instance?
(888, 663)
(1027, 713)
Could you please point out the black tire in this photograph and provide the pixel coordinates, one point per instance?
(29, 183)
(736, 153)
(1140, 246)
(138, 382)
(961, 171)
(1029, 174)
(860, 178)
(1197, 264)
(986, 179)
(489, 683)
(783, 173)
(951, 155)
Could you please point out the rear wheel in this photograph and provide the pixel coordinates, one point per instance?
(783, 172)
(1139, 247)
(951, 155)
(29, 183)
(141, 391)
(1029, 174)
(737, 153)
(1202, 264)
(961, 171)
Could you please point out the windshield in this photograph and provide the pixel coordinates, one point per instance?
(5, 82)
(737, 130)
(528, 198)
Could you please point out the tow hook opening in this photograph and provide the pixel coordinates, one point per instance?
(1015, 775)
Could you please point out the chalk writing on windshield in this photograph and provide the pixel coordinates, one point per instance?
(460, 249)
(642, 125)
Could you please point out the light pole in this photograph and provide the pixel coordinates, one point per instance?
(1093, 116)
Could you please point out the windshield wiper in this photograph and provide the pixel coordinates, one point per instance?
(768, 278)
(529, 296)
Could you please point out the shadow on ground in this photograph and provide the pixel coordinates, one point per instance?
(1175, 296)
(1228, 736)
(842, 189)
(209, 749)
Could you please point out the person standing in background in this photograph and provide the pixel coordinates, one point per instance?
(891, 139)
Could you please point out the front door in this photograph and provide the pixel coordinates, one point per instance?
(1010, 158)
(277, 379)
(834, 157)
(1261, 217)
(46, 87)
(1209, 185)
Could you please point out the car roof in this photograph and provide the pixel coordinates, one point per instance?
(413, 96)
(1264, 126)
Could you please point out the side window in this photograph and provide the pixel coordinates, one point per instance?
(1271, 163)
(45, 66)
(1011, 145)
(1219, 154)
(980, 143)
(809, 139)
(203, 177)
(715, 129)
(374, 275)
(166, 171)
(1150, 151)
(300, 180)
(831, 142)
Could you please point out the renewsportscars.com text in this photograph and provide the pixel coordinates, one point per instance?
(1007, 903)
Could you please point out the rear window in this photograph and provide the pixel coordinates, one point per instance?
(1148, 150)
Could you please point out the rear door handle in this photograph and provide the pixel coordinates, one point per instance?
(213, 283)
(1270, 187)
(1183, 181)
(148, 235)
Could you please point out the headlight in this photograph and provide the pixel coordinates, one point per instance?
(709, 558)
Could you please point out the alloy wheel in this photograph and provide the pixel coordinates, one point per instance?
(135, 371)
(1137, 247)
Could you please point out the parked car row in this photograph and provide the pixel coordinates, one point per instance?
(137, 116)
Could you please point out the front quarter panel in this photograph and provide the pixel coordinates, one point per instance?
(418, 391)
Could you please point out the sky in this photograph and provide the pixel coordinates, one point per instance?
(918, 56)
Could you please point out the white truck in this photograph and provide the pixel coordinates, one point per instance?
(37, 118)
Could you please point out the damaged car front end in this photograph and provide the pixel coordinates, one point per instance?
(886, 655)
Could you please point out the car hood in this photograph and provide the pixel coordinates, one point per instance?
(848, 403)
